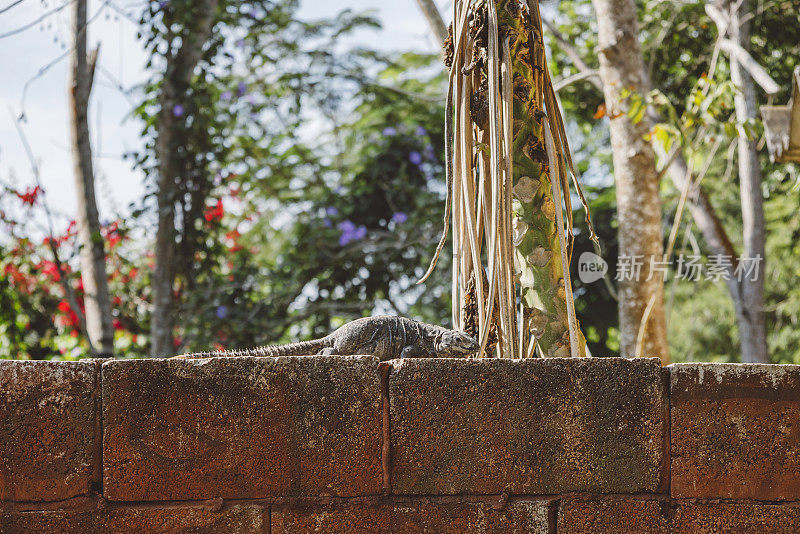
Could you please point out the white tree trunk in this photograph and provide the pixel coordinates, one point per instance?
(434, 18)
(92, 251)
(750, 311)
(638, 203)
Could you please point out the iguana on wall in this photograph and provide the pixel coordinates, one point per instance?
(384, 336)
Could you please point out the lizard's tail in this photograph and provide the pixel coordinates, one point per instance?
(303, 348)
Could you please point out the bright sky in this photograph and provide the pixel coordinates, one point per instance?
(45, 106)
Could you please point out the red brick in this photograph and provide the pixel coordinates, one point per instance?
(612, 515)
(52, 522)
(735, 431)
(736, 518)
(166, 520)
(413, 517)
(48, 436)
(534, 426)
(242, 428)
(244, 519)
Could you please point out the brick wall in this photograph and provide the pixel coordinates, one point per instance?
(345, 444)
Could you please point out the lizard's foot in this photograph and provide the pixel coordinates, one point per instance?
(328, 351)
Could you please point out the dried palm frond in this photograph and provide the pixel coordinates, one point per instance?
(508, 174)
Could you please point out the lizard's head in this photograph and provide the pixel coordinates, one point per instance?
(455, 344)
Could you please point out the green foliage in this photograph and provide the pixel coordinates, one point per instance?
(678, 41)
(364, 224)
(294, 129)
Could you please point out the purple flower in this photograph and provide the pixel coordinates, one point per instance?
(389, 131)
(240, 43)
(177, 110)
(226, 95)
(327, 222)
(222, 311)
(250, 99)
(162, 4)
(331, 211)
(399, 217)
(428, 152)
(241, 89)
(415, 157)
(420, 131)
(350, 232)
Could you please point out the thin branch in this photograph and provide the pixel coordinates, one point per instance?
(24, 27)
(11, 6)
(756, 71)
(573, 54)
(41, 72)
(569, 80)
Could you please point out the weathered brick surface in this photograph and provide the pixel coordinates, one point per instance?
(527, 426)
(736, 518)
(411, 518)
(241, 428)
(735, 431)
(612, 515)
(47, 429)
(164, 520)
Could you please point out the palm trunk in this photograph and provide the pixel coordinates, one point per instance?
(638, 205)
(92, 252)
(538, 246)
(508, 185)
(180, 66)
(750, 311)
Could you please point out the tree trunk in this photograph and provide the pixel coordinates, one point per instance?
(434, 18)
(750, 312)
(178, 76)
(638, 204)
(537, 187)
(92, 253)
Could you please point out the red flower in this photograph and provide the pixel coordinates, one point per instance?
(30, 195)
(116, 324)
(215, 212)
(113, 240)
(112, 234)
(73, 333)
(63, 306)
(51, 269)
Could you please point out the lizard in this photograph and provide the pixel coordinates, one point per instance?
(384, 336)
